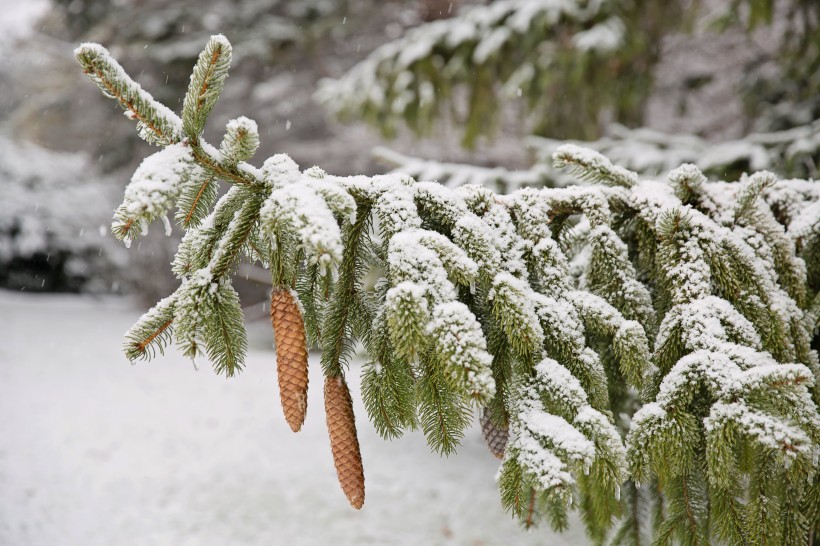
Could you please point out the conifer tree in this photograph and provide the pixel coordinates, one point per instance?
(574, 68)
(639, 350)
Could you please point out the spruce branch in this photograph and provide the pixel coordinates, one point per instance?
(387, 392)
(515, 313)
(156, 123)
(152, 332)
(241, 140)
(592, 166)
(662, 310)
(207, 81)
(687, 181)
(335, 325)
(224, 334)
(459, 348)
(235, 235)
(196, 197)
(443, 413)
(750, 192)
(407, 316)
(155, 188)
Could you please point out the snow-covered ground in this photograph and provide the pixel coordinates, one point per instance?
(94, 451)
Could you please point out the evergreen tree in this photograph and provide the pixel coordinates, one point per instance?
(575, 67)
(646, 345)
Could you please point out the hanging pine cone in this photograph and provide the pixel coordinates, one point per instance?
(495, 436)
(291, 355)
(341, 427)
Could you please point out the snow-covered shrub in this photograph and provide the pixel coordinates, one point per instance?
(648, 343)
(53, 219)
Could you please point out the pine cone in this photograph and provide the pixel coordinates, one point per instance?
(291, 355)
(495, 436)
(341, 427)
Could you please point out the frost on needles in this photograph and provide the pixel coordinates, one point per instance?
(647, 343)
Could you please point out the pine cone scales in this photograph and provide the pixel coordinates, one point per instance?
(341, 427)
(291, 356)
(496, 437)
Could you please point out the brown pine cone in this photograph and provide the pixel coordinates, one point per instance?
(341, 427)
(291, 355)
(495, 436)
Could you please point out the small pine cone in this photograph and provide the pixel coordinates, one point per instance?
(495, 436)
(291, 355)
(341, 427)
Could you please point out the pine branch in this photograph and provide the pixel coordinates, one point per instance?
(240, 142)
(195, 200)
(336, 321)
(224, 334)
(157, 124)
(152, 332)
(757, 183)
(592, 166)
(206, 85)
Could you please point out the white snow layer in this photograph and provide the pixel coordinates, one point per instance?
(105, 453)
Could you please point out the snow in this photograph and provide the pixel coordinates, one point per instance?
(509, 244)
(280, 169)
(106, 453)
(155, 186)
(47, 199)
(440, 202)
(561, 385)
(337, 200)
(410, 258)
(807, 222)
(455, 260)
(397, 212)
(298, 209)
(491, 44)
(603, 37)
(772, 433)
(457, 337)
(560, 319)
(559, 435)
(457, 174)
(592, 161)
(653, 152)
(471, 234)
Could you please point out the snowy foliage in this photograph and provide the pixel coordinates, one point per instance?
(154, 189)
(793, 152)
(626, 331)
(413, 78)
(53, 221)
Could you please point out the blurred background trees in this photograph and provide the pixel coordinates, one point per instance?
(650, 84)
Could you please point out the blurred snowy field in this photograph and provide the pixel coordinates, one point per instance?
(94, 451)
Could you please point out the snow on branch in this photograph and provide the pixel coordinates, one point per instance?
(399, 82)
(155, 187)
(592, 166)
(156, 123)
